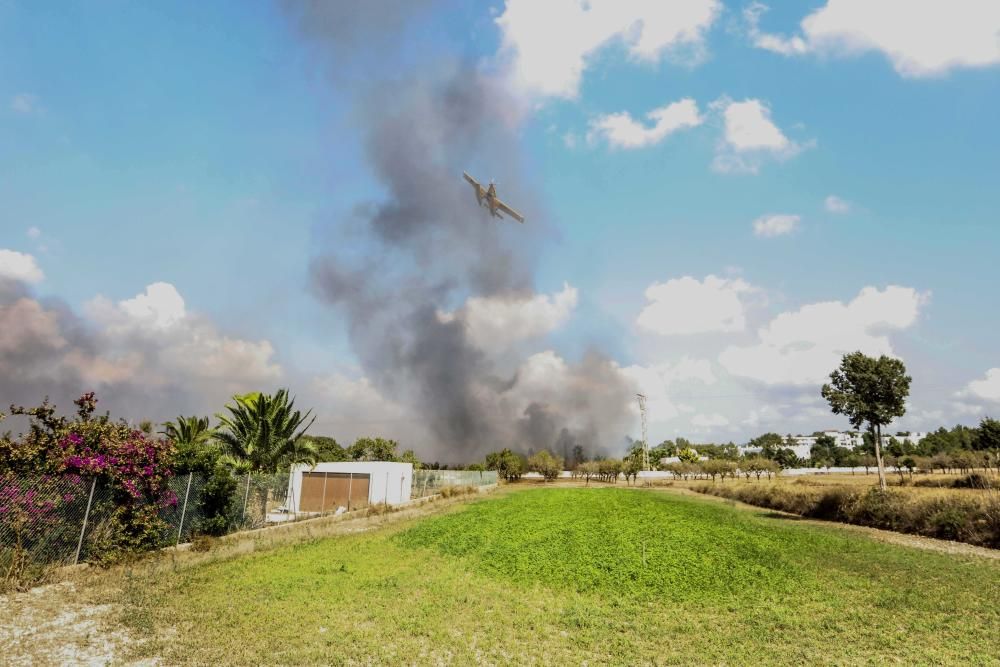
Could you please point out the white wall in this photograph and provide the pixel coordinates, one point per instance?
(389, 482)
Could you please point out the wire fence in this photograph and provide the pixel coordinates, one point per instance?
(430, 482)
(54, 520)
(65, 519)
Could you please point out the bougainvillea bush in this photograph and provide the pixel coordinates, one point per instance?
(132, 470)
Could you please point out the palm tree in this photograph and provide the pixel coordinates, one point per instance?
(187, 430)
(196, 451)
(262, 433)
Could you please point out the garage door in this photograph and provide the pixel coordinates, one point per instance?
(326, 491)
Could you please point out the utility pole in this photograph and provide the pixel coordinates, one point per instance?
(645, 444)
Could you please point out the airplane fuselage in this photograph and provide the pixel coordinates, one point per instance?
(488, 197)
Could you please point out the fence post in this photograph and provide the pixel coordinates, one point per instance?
(246, 497)
(322, 506)
(184, 509)
(83, 529)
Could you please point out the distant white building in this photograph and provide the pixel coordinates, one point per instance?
(847, 439)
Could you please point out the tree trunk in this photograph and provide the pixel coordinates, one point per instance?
(878, 457)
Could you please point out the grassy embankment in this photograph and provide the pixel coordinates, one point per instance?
(570, 575)
(924, 506)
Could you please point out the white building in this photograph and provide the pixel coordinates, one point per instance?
(326, 487)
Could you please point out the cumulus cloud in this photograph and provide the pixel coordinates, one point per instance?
(683, 306)
(495, 322)
(548, 45)
(659, 381)
(804, 346)
(19, 266)
(986, 389)
(920, 38)
(775, 224)
(34, 233)
(620, 130)
(24, 103)
(834, 204)
(145, 356)
(750, 137)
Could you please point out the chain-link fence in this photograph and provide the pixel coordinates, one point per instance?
(429, 482)
(53, 520)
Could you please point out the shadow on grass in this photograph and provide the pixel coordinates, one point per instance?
(781, 515)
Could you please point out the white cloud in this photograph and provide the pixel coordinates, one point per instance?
(620, 130)
(160, 306)
(750, 137)
(987, 389)
(496, 322)
(688, 306)
(569, 140)
(775, 224)
(835, 204)
(24, 103)
(920, 37)
(19, 266)
(805, 346)
(548, 45)
(659, 381)
(166, 345)
(34, 233)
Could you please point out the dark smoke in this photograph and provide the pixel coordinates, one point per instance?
(426, 247)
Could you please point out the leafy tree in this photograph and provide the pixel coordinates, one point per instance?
(632, 463)
(546, 464)
(327, 449)
(409, 457)
(869, 390)
(822, 452)
(263, 433)
(718, 467)
(785, 458)
(663, 450)
(587, 470)
(767, 443)
(507, 464)
(988, 435)
(687, 455)
(373, 449)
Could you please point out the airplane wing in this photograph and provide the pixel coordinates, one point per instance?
(509, 211)
(471, 180)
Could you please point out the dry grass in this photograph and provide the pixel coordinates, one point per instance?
(965, 514)
(81, 618)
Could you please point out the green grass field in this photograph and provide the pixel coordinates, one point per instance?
(566, 576)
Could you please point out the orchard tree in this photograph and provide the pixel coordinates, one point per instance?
(872, 391)
(547, 465)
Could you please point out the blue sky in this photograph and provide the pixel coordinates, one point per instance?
(208, 148)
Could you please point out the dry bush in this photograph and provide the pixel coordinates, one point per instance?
(458, 490)
(203, 543)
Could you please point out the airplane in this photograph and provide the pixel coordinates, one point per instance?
(488, 197)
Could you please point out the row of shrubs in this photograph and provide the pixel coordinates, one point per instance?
(974, 480)
(974, 519)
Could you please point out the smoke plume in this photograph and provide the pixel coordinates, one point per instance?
(402, 267)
